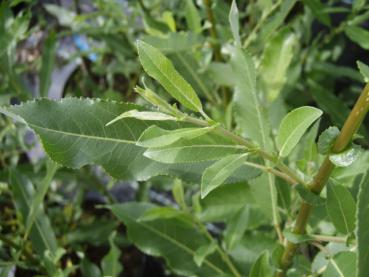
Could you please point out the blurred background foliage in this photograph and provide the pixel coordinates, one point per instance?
(305, 54)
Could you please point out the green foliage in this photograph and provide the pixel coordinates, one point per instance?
(228, 134)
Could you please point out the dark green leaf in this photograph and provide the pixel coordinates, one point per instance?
(297, 238)
(358, 35)
(110, 264)
(364, 70)
(327, 139)
(261, 267)
(308, 196)
(47, 65)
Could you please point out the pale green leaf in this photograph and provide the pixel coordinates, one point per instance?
(346, 158)
(364, 70)
(358, 35)
(341, 208)
(342, 265)
(220, 171)
(261, 267)
(165, 213)
(178, 194)
(41, 234)
(362, 230)
(155, 136)
(297, 238)
(234, 22)
(110, 264)
(276, 59)
(193, 18)
(204, 148)
(155, 116)
(293, 127)
(161, 69)
(173, 239)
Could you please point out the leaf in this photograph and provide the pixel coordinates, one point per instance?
(193, 18)
(217, 173)
(47, 65)
(297, 238)
(308, 196)
(347, 157)
(41, 234)
(173, 43)
(110, 264)
(234, 22)
(358, 4)
(222, 74)
(36, 204)
(165, 213)
(261, 267)
(293, 126)
(341, 265)
(73, 133)
(178, 194)
(364, 70)
(358, 35)
(327, 139)
(341, 208)
(362, 231)
(203, 251)
(174, 240)
(318, 9)
(225, 201)
(154, 116)
(161, 69)
(205, 148)
(156, 100)
(155, 136)
(89, 269)
(276, 59)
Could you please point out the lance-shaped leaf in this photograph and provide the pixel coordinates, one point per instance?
(161, 69)
(234, 22)
(293, 127)
(41, 233)
(216, 174)
(362, 230)
(154, 116)
(193, 18)
(204, 148)
(155, 136)
(47, 66)
(73, 133)
(341, 208)
(110, 264)
(174, 240)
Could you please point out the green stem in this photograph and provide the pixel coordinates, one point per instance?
(350, 127)
(329, 238)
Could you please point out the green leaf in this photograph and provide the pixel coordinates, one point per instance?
(358, 4)
(225, 201)
(161, 69)
(318, 10)
(296, 238)
(110, 264)
(364, 70)
(234, 22)
(341, 208)
(154, 116)
(178, 194)
(362, 231)
(41, 234)
(293, 126)
(276, 59)
(89, 269)
(173, 239)
(203, 251)
(204, 148)
(261, 267)
(358, 35)
(47, 65)
(341, 265)
(36, 204)
(73, 133)
(347, 157)
(308, 196)
(327, 139)
(193, 18)
(165, 213)
(155, 136)
(220, 171)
